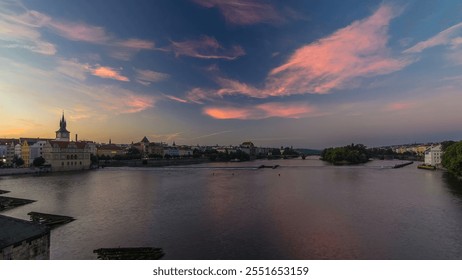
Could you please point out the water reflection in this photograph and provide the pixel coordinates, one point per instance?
(302, 210)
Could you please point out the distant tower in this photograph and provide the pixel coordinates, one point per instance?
(62, 134)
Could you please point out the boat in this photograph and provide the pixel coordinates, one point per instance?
(426, 166)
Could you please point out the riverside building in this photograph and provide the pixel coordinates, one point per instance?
(65, 155)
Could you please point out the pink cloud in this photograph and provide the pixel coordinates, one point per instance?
(24, 30)
(283, 110)
(261, 111)
(109, 73)
(244, 12)
(358, 50)
(174, 98)
(125, 49)
(445, 37)
(73, 68)
(138, 104)
(334, 62)
(398, 106)
(146, 77)
(136, 44)
(17, 32)
(119, 100)
(206, 48)
(80, 32)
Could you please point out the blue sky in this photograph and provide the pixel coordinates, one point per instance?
(301, 73)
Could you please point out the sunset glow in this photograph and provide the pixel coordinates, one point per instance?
(315, 73)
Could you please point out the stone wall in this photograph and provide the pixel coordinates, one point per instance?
(37, 248)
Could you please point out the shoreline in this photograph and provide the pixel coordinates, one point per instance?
(114, 163)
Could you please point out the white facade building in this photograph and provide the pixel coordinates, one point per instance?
(36, 150)
(433, 155)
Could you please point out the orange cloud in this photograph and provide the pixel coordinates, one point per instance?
(138, 103)
(109, 73)
(228, 113)
(206, 48)
(262, 111)
(244, 12)
(119, 100)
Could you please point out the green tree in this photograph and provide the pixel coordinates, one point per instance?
(38, 161)
(452, 158)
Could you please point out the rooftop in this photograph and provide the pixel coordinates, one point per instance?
(16, 230)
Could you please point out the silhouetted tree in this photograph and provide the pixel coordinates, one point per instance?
(38, 161)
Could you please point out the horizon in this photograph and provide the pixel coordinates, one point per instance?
(207, 72)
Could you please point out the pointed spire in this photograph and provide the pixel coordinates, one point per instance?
(62, 123)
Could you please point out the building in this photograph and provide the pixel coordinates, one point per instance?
(110, 150)
(36, 150)
(248, 148)
(10, 153)
(3, 153)
(433, 155)
(65, 155)
(156, 149)
(23, 240)
(25, 153)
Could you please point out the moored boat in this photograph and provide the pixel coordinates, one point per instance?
(426, 166)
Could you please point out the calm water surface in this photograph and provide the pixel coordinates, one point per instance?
(304, 209)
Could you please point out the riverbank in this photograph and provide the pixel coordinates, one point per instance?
(18, 171)
(151, 162)
(110, 163)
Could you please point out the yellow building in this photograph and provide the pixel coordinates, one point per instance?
(25, 153)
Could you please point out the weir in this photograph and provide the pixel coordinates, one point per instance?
(135, 253)
(11, 202)
(50, 220)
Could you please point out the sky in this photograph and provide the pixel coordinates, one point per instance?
(307, 74)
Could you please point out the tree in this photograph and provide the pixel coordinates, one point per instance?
(452, 158)
(18, 161)
(38, 161)
(351, 154)
(94, 159)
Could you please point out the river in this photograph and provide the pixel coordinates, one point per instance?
(305, 209)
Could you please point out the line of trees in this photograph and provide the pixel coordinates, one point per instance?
(452, 158)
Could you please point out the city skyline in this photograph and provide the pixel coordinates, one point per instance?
(308, 75)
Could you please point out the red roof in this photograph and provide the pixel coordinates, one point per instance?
(66, 144)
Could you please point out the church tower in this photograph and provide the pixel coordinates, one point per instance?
(62, 134)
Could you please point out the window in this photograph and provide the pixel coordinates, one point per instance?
(62, 163)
